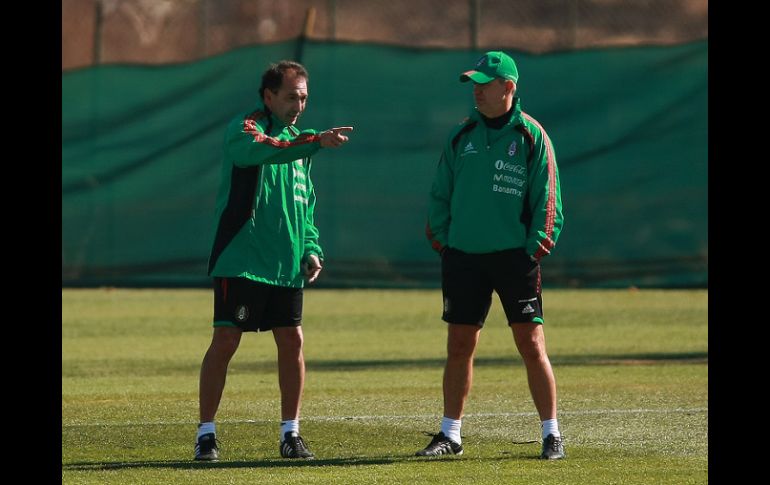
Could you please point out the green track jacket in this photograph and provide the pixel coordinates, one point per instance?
(264, 213)
(496, 189)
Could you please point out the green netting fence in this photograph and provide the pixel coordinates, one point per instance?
(141, 156)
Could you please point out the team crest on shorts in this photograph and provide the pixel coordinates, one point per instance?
(242, 313)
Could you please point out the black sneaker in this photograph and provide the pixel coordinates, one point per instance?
(553, 448)
(441, 445)
(206, 448)
(293, 446)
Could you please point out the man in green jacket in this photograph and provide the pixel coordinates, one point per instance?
(265, 245)
(494, 212)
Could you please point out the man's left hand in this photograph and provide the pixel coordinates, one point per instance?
(312, 268)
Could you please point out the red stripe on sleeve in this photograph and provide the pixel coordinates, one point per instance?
(250, 127)
(433, 242)
(550, 204)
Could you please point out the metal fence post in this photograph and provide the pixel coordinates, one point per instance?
(474, 19)
(97, 56)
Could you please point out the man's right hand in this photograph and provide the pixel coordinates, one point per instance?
(334, 137)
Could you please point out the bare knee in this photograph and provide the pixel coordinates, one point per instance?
(289, 339)
(461, 349)
(461, 341)
(530, 341)
(224, 344)
(531, 348)
(532, 351)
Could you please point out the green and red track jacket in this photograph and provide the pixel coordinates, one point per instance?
(264, 213)
(496, 189)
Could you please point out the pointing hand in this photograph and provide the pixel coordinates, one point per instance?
(333, 138)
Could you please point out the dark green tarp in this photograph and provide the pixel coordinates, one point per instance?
(141, 159)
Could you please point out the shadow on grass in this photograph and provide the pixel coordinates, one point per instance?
(337, 462)
(562, 360)
(193, 465)
(153, 367)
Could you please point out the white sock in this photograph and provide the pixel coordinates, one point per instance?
(550, 426)
(205, 428)
(290, 425)
(451, 429)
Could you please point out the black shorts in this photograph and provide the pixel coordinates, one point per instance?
(255, 307)
(467, 282)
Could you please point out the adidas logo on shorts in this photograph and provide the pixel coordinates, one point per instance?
(528, 309)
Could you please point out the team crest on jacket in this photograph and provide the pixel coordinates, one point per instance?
(512, 149)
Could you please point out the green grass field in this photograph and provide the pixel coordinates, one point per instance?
(631, 370)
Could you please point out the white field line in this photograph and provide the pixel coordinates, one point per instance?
(386, 417)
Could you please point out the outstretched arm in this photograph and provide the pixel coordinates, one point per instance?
(248, 145)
